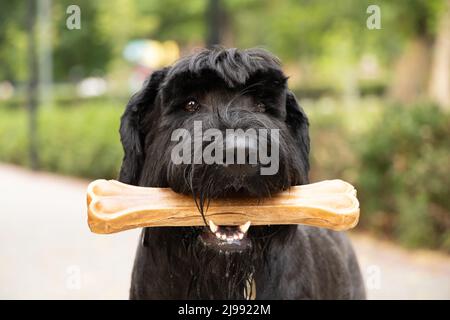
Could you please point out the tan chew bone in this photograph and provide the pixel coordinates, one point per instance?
(114, 206)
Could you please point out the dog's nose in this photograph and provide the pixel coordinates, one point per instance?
(241, 155)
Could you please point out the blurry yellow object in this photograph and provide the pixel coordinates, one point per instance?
(151, 53)
(160, 54)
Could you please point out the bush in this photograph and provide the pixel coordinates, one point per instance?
(80, 140)
(404, 176)
(398, 158)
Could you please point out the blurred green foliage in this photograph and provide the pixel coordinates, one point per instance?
(326, 37)
(83, 52)
(404, 175)
(77, 140)
(398, 157)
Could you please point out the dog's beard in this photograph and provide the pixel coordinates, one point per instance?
(210, 182)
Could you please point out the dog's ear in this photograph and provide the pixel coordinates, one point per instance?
(298, 122)
(131, 134)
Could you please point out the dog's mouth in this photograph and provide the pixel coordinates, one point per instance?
(226, 238)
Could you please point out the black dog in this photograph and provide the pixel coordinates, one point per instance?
(228, 89)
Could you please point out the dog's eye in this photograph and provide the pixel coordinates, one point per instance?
(192, 105)
(260, 107)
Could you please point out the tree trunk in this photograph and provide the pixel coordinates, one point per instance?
(45, 67)
(439, 85)
(32, 92)
(411, 71)
(218, 25)
(213, 23)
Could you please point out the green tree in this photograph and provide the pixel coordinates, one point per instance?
(13, 40)
(80, 52)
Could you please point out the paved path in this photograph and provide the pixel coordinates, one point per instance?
(47, 251)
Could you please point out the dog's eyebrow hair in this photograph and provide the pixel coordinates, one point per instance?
(244, 91)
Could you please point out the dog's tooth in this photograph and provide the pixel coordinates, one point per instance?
(235, 236)
(240, 236)
(224, 236)
(218, 235)
(213, 226)
(244, 227)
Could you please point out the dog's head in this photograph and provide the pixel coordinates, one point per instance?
(218, 123)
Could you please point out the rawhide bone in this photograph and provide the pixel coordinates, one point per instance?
(114, 206)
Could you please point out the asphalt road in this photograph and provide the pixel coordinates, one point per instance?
(48, 252)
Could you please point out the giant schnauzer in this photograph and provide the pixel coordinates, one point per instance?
(228, 89)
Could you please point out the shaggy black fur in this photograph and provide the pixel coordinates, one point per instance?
(235, 89)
